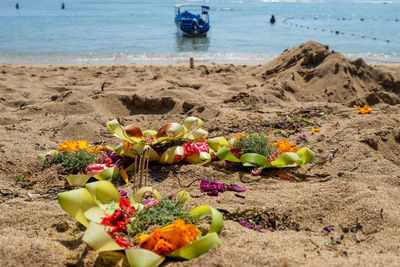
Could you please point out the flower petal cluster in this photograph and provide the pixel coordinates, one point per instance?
(250, 226)
(169, 238)
(80, 145)
(363, 110)
(285, 146)
(119, 220)
(191, 148)
(213, 188)
(73, 145)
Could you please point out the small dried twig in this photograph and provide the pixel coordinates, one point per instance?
(134, 174)
(147, 167)
(141, 170)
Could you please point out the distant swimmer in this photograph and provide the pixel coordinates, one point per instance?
(16, 6)
(272, 20)
(62, 6)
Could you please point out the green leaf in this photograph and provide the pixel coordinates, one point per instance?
(107, 174)
(196, 133)
(217, 219)
(98, 239)
(138, 257)
(117, 130)
(188, 122)
(201, 158)
(76, 202)
(286, 159)
(253, 159)
(182, 195)
(95, 214)
(197, 247)
(141, 147)
(103, 191)
(172, 154)
(77, 179)
(81, 179)
(226, 154)
(217, 143)
(138, 196)
(306, 155)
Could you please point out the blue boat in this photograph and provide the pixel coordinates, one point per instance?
(192, 20)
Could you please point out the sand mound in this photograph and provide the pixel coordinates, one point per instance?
(311, 72)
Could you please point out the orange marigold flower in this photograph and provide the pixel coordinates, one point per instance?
(238, 136)
(284, 146)
(363, 110)
(315, 130)
(169, 238)
(74, 145)
(163, 247)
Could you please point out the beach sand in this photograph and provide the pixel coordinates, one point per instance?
(353, 183)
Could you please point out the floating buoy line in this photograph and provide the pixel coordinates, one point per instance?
(288, 21)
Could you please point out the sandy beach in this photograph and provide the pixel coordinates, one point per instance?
(353, 183)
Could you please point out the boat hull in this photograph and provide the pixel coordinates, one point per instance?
(190, 33)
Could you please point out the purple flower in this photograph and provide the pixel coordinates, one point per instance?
(246, 224)
(258, 229)
(117, 159)
(213, 188)
(122, 192)
(171, 196)
(236, 188)
(303, 136)
(250, 226)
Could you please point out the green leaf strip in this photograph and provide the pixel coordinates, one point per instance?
(81, 179)
(138, 257)
(197, 247)
(217, 219)
(138, 196)
(76, 202)
(98, 239)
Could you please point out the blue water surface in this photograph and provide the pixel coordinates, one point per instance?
(104, 31)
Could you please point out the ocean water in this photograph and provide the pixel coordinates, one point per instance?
(133, 31)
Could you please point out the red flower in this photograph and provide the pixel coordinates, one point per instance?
(120, 218)
(125, 205)
(177, 158)
(123, 242)
(236, 152)
(149, 140)
(113, 219)
(191, 148)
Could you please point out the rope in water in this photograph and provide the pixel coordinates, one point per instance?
(288, 21)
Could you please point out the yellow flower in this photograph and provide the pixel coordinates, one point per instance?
(284, 146)
(74, 145)
(316, 130)
(363, 110)
(80, 145)
(169, 238)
